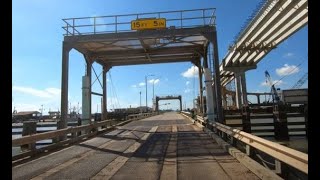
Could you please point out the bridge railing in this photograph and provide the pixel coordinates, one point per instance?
(78, 133)
(122, 23)
(280, 153)
(262, 125)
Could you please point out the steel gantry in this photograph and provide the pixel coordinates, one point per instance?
(184, 39)
(158, 98)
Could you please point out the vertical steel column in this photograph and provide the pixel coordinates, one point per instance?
(238, 90)
(89, 74)
(258, 99)
(200, 88)
(104, 93)
(210, 112)
(180, 103)
(217, 77)
(146, 93)
(64, 85)
(214, 95)
(157, 104)
(205, 65)
(244, 88)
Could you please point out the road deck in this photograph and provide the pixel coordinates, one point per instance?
(165, 146)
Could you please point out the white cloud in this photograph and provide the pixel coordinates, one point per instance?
(47, 93)
(142, 84)
(154, 81)
(188, 82)
(187, 90)
(134, 86)
(287, 70)
(26, 107)
(277, 82)
(288, 55)
(191, 72)
(53, 91)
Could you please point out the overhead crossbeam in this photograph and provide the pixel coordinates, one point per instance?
(145, 48)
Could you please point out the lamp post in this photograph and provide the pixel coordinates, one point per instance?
(147, 90)
(153, 90)
(157, 78)
(140, 99)
(41, 112)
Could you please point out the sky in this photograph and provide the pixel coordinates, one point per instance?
(37, 37)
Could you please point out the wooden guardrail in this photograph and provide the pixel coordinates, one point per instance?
(86, 130)
(282, 153)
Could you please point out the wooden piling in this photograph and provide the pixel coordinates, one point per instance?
(29, 127)
(280, 122)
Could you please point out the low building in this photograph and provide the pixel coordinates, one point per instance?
(25, 115)
(135, 110)
(54, 114)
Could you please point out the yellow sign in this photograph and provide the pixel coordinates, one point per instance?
(143, 24)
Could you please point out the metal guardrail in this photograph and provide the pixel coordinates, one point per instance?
(122, 23)
(282, 153)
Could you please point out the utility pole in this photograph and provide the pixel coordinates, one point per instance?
(146, 93)
(41, 111)
(153, 90)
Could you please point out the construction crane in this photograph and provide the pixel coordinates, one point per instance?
(301, 81)
(275, 96)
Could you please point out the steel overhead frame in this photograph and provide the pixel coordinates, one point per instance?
(186, 36)
(158, 98)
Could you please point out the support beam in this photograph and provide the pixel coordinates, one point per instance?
(98, 94)
(64, 85)
(244, 88)
(212, 37)
(145, 48)
(237, 81)
(239, 68)
(200, 88)
(240, 83)
(86, 92)
(180, 103)
(157, 103)
(210, 114)
(104, 92)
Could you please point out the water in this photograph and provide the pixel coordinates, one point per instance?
(17, 133)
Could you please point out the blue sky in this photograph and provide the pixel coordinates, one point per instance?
(37, 47)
